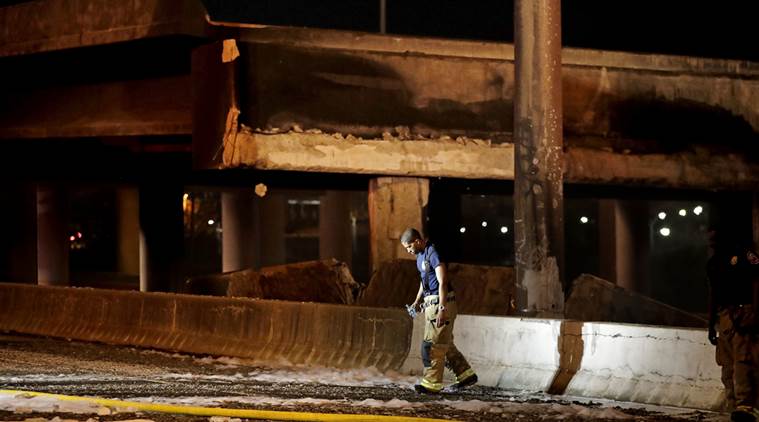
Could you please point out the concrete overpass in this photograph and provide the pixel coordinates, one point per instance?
(297, 99)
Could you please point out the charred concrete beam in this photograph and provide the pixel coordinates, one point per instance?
(319, 152)
(38, 26)
(605, 93)
(295, 85)
(361, 41)
(160, 106)
(696, 170)
(477, 159)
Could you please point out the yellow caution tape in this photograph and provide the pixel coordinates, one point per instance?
(219, 411)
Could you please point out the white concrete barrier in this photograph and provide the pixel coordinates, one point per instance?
(645, 364)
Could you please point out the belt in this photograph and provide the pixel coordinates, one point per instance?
(435, 299)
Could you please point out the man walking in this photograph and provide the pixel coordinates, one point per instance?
(438, 301)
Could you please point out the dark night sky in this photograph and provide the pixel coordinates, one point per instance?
(725, 29)
(720, 29)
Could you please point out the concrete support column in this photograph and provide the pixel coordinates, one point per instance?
(538, 184)
(395, 203)
(128, 214)
(18, 246)
(616, 245)
(624, 244)
(271, 224)
(335, 228)
(238, 235)
(161, 237)
(607, 246)
(52, 236)
(627, 247)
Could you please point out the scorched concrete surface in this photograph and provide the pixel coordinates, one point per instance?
(90, 369)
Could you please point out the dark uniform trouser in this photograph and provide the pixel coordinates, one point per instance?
(438, 350)
(738, 355)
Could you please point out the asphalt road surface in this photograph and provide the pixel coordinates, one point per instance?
(89, 369)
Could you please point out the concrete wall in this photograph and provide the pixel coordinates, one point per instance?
(595, 299)
(325, 281)
(268, 331)
(657, 365)
(480, 289)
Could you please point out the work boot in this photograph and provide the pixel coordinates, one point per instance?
(420, 389)
(468, 381)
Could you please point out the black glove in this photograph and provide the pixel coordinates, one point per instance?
(713, 336)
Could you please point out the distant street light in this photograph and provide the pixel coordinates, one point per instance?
(462, 230)
(504, 229)
(682, 212)
(698, 210)
(584, 219)
(664, 231)
(662, 215)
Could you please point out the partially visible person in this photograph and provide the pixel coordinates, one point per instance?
(438, 300)
(733, 272)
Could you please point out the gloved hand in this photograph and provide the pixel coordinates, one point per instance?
(411, 309)
(712, 336)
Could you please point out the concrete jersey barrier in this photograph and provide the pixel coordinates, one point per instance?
(268, 331)
(645, 364)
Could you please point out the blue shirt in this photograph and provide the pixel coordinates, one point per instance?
(426, 262)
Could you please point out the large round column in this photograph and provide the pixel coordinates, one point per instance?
(335, 226)
(18, 246)
(623, 244)
(538, 161)
(238, 224)
(52, 236)
(161, 237)
(128, 231)
(272, 224)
